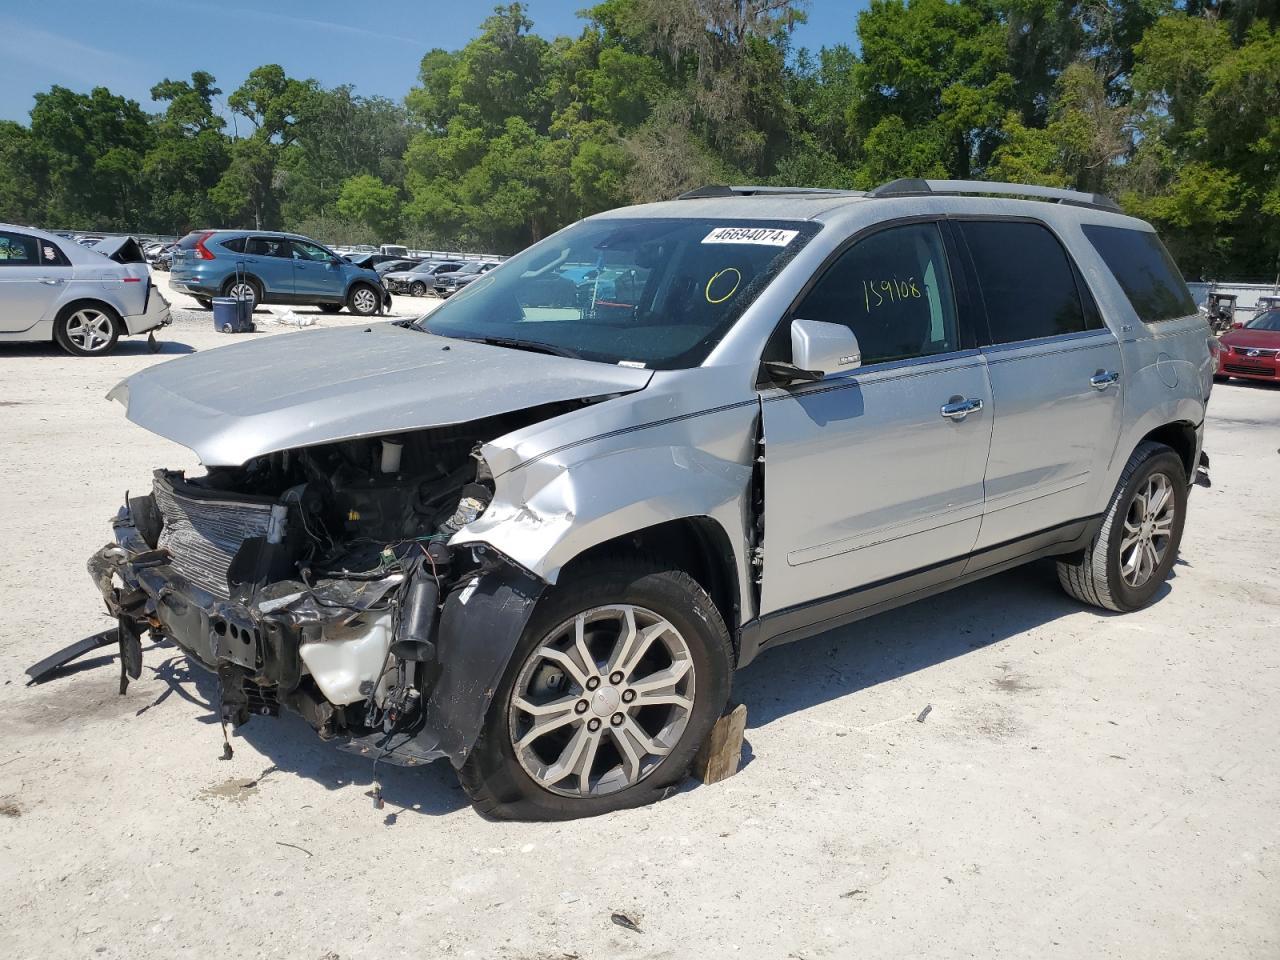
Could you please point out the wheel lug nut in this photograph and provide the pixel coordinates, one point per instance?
(593, 725)
(628, 696)
(581, 707)
(616, 678)
(617, 719)
(593, 682)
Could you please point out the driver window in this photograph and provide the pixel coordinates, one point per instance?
(893, 291)
(309, 251)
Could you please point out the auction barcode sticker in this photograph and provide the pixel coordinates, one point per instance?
(765, 236)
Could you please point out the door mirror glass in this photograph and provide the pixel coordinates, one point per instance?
(824, 348)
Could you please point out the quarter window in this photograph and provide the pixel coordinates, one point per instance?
(1145, 271)
(18, 250)
(1027, 281)
(893, 291)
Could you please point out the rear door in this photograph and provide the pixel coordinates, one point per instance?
(869, 484)
(270, 259)
(33, 277)
(1055, 373)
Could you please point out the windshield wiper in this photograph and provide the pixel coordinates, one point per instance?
(532, 346)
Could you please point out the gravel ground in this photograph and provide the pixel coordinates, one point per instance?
(1084, 786)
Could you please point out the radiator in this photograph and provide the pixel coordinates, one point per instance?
(202, 534)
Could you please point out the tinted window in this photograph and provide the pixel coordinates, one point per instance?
(893, 290)
(235, 243)
(1027, 281)
(191, 239)
(1145, 271)
(267, 247)
(18, 250)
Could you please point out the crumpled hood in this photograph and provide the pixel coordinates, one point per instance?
(238, 402)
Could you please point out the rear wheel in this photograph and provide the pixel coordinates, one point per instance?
(363, 300)
(87, 330)
(618, 679)
(243, 290)
(205, 302)
(1137, 544)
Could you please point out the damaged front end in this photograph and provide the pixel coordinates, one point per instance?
(322, 579)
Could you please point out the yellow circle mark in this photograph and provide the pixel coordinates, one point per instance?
(732, 290)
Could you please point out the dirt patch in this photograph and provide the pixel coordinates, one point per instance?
(237, 790)
(9, 808)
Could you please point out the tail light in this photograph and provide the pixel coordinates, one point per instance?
(1215, 349)
(202, 251)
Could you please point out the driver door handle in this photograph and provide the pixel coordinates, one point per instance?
(1103, 379)
(959, 409)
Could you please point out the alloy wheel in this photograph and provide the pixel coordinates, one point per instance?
(90, 330)
(364, 300)
(244, 291)
(1148, 530)
(602, 701)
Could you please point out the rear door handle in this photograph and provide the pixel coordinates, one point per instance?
(51, 281)
(959, 409)
(1103, 379)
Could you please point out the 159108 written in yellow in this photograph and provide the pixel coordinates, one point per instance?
(876, 293)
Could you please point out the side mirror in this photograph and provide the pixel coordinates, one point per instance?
(817, 349)
(1237, 325)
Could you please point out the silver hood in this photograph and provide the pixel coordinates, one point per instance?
(238, 402)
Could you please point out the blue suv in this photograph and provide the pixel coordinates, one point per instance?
(273, 268)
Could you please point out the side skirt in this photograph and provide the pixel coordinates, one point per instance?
(827, 613)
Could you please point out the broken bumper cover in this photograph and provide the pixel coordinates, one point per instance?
(257, 645)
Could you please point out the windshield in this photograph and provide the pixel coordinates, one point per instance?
(652, 293)
(1265, 321)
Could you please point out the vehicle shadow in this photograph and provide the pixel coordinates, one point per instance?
(899, 642)
(134, 347)
(292, 746)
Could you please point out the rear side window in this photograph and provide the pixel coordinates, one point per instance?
(267, 247)
(1145, 271)
(235, 244)
(1027, 282)
(18, 250)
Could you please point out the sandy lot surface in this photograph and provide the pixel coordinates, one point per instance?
(1085, 785)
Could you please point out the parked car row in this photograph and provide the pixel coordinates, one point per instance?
(443, 278)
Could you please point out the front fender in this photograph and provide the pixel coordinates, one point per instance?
(551, 509)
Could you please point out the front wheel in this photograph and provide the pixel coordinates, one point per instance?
(418, 288)
(1137, 544)
(618, 679)
(363, 300)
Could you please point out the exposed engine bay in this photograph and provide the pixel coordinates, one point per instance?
(319, 578)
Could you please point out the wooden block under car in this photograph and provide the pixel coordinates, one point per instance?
(721, 752)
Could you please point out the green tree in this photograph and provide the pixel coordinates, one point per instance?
(367, 200)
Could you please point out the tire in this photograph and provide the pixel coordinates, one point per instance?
(330, 307)
(503, 781)
(1108, 573)
(363, 300)
(87, 329)
(418, 288)
(248, 288)
(205, 302)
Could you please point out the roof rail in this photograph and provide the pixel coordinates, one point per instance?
(912, 187)
(719, 190)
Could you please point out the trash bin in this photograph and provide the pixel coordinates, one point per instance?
(232, 316)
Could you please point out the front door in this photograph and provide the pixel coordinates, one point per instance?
(315, 275)
(33, 278)
(1055, 371)
(875, 475)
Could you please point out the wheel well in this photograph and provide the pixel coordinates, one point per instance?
(1181, 438)
(231, 281)
(697, 545)
(68, 308)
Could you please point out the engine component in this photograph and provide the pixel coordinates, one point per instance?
(418, 615)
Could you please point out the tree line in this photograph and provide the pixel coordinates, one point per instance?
(1173, 108)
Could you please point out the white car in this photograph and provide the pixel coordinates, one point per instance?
(55, 289)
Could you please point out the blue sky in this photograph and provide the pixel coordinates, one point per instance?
(128, 46)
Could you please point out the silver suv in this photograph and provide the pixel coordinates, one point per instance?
(536, 532)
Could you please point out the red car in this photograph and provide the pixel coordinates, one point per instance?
(1252, 350)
